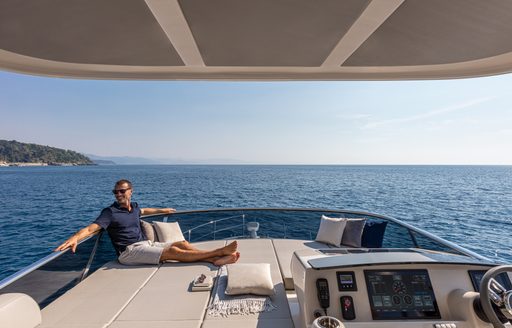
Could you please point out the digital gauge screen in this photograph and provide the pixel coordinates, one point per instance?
(346, 281)
(477, 275)
(401, 294)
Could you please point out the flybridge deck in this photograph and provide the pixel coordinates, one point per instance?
(91, 289)
(60, 271)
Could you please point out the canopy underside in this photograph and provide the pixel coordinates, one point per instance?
(257, 40)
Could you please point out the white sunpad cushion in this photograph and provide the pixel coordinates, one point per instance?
(331, 230)
(249, 278)
(168, 232)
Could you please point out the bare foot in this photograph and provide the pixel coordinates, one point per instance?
(230, 248)
(212, 259)
(228, 259)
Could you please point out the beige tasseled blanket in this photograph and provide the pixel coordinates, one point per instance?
(226, 305)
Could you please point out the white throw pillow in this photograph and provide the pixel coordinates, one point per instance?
(168, 232)
(331, 230)
(249, 278)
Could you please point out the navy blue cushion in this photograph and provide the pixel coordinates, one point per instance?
(373, 233)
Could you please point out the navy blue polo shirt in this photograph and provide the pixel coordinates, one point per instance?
(123, 226)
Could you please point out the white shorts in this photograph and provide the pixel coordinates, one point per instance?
(142, 252)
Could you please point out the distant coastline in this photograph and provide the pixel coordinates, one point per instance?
(14, 153)
(32, 164)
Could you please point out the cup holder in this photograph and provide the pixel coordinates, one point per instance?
(327, 322)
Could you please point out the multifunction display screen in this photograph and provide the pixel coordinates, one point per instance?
(477, 275)
(401, 294)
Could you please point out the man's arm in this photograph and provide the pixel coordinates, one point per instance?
(81, 234)
(150, 211)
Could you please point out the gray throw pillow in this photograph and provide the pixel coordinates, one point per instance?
(353, 232)
(148, 230)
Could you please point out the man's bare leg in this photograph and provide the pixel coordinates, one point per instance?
(183, 255)
(217, 260)
(185, 245)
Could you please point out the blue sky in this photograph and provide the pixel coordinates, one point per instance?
(409, 122)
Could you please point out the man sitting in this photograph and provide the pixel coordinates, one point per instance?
(122, 222)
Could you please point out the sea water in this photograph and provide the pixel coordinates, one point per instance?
(470, 205)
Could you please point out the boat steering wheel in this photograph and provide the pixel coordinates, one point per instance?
(493, 292)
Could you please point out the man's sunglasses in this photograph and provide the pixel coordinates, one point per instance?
(120, 191)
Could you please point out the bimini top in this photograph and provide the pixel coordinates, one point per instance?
(256, 39)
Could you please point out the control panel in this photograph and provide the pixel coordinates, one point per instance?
(421, 295)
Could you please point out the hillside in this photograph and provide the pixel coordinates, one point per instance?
(19, 152)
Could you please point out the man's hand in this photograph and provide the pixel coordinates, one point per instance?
(81, 234)
(71, 242)
(169, 210)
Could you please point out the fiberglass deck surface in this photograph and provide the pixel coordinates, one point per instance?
(118, 296)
